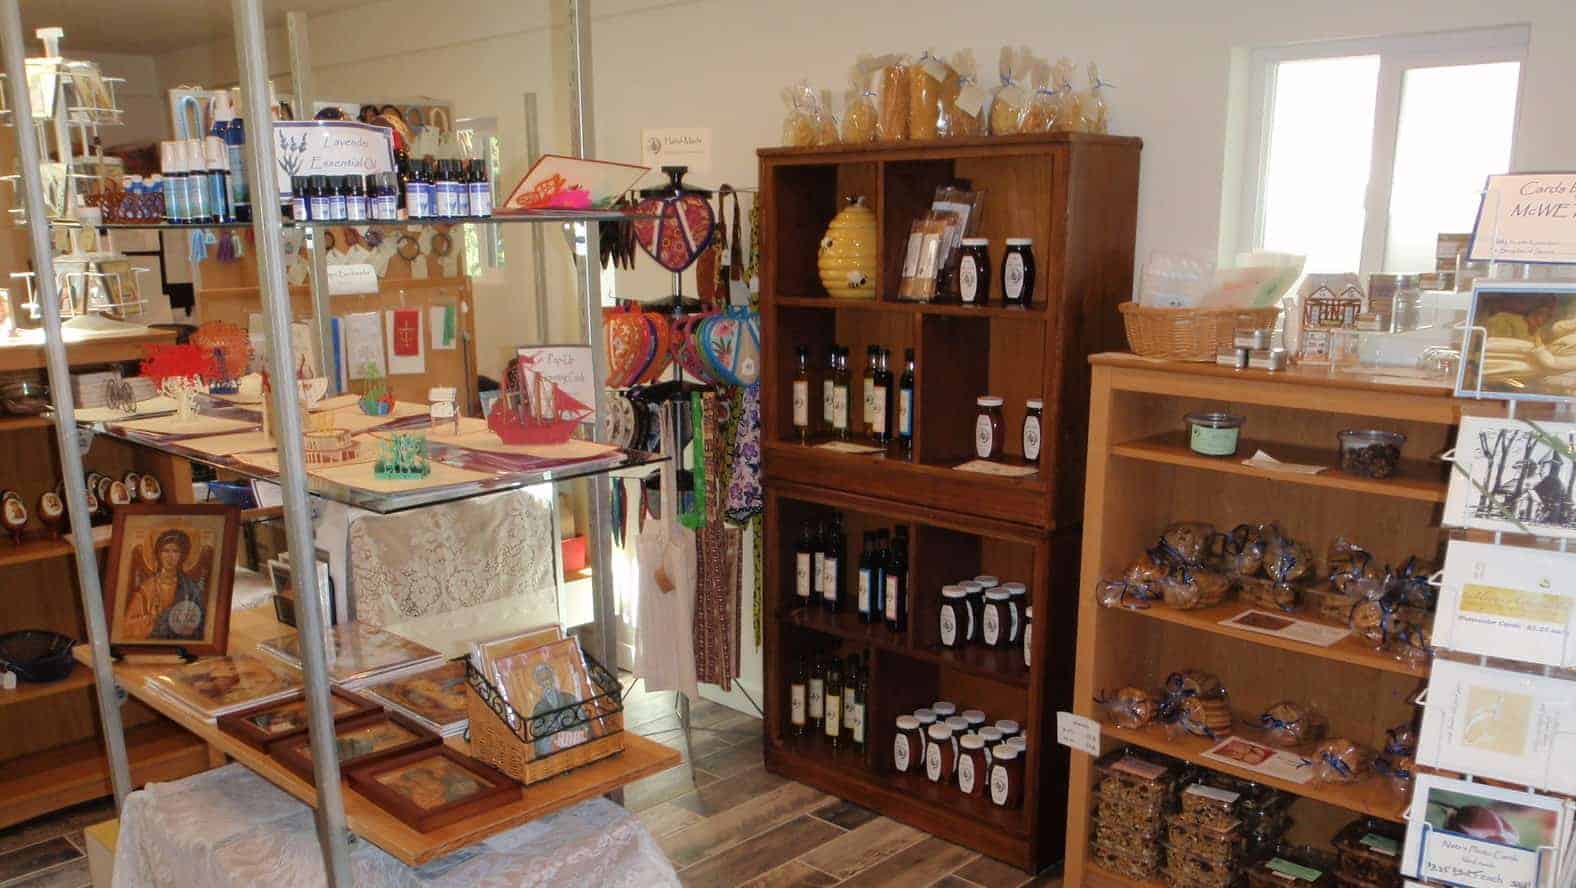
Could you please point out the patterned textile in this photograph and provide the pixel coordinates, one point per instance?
(744, 479)
(717, 588)
(229, 828)
(756, 541)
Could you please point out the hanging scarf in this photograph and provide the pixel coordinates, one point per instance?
(744, 480)
(694, 517)
(718, 554)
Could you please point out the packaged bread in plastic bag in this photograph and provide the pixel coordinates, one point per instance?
(892, 99)
(963, 106)
(801, 122)
(1040, 112)
(859, 103)
(1006, 105)
(825, 122)
(1069, 114)
(929, 80)
(1096, 111)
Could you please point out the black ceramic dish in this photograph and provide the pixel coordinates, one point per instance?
(36, 655)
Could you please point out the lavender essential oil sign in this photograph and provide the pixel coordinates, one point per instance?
(330, 148)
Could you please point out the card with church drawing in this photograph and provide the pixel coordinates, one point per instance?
(1515, 476)
(1500, 724)
(1508, 601)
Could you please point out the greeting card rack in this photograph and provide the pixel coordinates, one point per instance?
(1142, 476)
(504, 738)
(325, 793)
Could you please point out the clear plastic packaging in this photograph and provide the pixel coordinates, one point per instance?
(1194, 869)
(801, 121)
(825, 121)
(1369, 850)
(1289, 723)
(1222, 844)
(1008, 101)
(1242, 550)
(1095, 109)
(1211, 806)
(892, 107)
(1130, 708)
(1298, 866)
(1147, 571)
(1040, 113)
(1115, 592)
(1285, 559)
(1205, 716)
(1120, 835)
(1346, 563)
(1176, 280)
(1131, 778)
(1269, 594)
(1142, 865)
(859, 103)
(929, 78)
(1189, 588)
(1069, 103)
(1194, 683)
(1187, 541)
(1339, 760)
(963, 104)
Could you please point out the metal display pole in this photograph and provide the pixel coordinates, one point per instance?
(322, 308)
(59, 367)
(252, 49)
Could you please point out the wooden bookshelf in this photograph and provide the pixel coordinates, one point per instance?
(78, 772)
(1076, 197)
(1141, 478)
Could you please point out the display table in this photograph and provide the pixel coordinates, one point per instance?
(230, 827)
(640, 758)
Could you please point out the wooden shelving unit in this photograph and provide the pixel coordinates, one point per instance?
(1141, 477)
(104, 349)
(77, 772)
(1076, 197)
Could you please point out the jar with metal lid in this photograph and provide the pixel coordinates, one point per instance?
(956, 620)
(974, 271)
(1006, 776)
(974, 594)
(944, 709)
(1214, 433)
(992, 737)
(971, 765)
(908, 744)
(959, 726)
(1034, 409)
(1020, 602)
(988, 427)
(987, 581)
(1017, 272)
(996, 625)
(925, 716)
(975, 718)
(940, 758)
(1028, 637)
(1008, 728)
(1020, 742)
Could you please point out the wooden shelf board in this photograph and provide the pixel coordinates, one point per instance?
(39, 549)
(96, 350)
(999, 665)
(17, 423)
(1347, 650)
(81, 677)
(1315, 376)
(640, 758)
(1036, 314)
(67, 775)
(833, 153)
(1372, 796)
(1414, 480)
(1098, 877)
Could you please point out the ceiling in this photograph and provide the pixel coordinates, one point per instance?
(149, 27)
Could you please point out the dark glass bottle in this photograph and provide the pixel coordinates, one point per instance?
(828, 388)
(878, 564)
(850, 680)
(801, 394)
(881, 422)
(318, 201)
(804, 559)
(355, 199)
(336, 199)
(861, 708)
(798, 705)
(833, 724)
(867, 580)
(818, 562)
(834, 546)
(818, 693)
(840, 405)
(867, 397)
(299, 188)
(895, 578)
(905, 405)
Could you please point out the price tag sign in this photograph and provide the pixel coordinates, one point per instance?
(1076, 732)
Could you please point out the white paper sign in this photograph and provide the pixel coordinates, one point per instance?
(1526, 217)
(569, 366)
(330, 148)
(351, 279)
(1506, 725)
(1462, 860)
(677, 146)
(1076, 732)
(364, 344)
(1508, 601)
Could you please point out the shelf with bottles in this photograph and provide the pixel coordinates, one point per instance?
(523, 216)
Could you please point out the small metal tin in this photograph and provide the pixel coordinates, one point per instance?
(1256, 338)
(1236, 358)
(1268, 359)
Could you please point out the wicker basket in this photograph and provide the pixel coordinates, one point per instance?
(503, 738)
(1189, 334)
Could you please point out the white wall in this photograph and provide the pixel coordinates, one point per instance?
(141, 96)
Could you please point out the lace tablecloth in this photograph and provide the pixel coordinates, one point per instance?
(229, 827)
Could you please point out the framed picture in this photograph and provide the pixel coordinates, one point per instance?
(1513, 476)
(258, 726)
(285, 593)
(1526, 350)
(433, 787)
(170, 573)
(356, 740)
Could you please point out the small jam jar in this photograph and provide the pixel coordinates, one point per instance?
(1028, 636)
(992, 737)
(1020, 604)
(996, 626)
(975, 718)
(959, 726)
(1032, 422)
(1020, 743)
(1006, 776)
(974, 271)
(1008, 728)
(925, 717)
(988, 427)
(987, 581)
(944, 709)
(908, 744)
(940, 759)
(972, 766)
(1017, 272)
(957, 622)
(974, 593)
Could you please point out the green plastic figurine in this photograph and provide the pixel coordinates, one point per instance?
(402, 456)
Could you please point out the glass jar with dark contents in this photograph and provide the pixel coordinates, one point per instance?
(974, 271)
(988, 427)
(1017, 272)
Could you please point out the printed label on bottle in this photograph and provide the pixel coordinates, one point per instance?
(1213, 442)
(801, 403)
(1028, 630)
(968, 625)
(829, 579)
(1012, 277)
(905, 413)
(298, 210)
(864, 590)
(802, 575)
(870, 398)
(856, 723)
(1012, 616)
(878, 419)
(848, 711)
(891, 599)
(900, 752)
(933, 762)
(817, 697)
(966, 774)
(949, 627)
(992, 624)
(982, 437)
(834, 715)
(1031, 439)
(998, 785)
(968, 279)
(481, 198)
(356, 209)
(840, 407)
(827, 401)
(818, 572)
(796, 705)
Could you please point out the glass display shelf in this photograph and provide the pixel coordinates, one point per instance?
(484, 472)
(511, 218)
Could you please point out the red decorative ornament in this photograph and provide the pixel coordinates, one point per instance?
(162, 362)
(535, 410)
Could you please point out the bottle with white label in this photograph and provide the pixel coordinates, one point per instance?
(868, 399)
(840, 397)
(905, 406)
(894, 598)
(817, 693)
(881, 399)
(818, 562)
(1006, 776)
(974, 271)
(833, 546)
(1017, 272)
(867, 580)
(861, 695)
(850, 682)
(828, 384)
(988, 427)
(804, 561)
(1028, 636)
(801, 395)
(1034, 407)
(798, 703)
(833, 723)
(954, 620)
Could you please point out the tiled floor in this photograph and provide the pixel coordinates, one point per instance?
(720, 818)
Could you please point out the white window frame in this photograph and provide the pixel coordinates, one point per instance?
(1397, 55)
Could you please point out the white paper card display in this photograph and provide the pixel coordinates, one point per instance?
(351, 278)
(1251, 756)
(1281, 626)
(1514, 476)
(364, 344)
(1076, 732)
(1508, 601)
(570, 367)
(1526, 218)
(1505, 725)
(1480, 836)
(330, 148)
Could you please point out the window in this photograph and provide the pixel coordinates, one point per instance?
(1360, 152)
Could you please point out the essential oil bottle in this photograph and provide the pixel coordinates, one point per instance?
(317, 200)
(355, 199)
